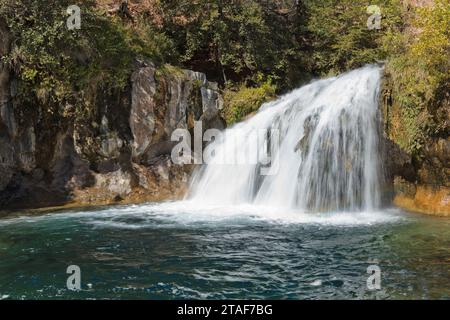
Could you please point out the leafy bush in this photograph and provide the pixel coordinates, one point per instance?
(243, 101)
(236, 40)
(418, 68)
(58, 66)
(341, 38)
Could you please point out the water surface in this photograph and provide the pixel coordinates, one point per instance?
(182, 251)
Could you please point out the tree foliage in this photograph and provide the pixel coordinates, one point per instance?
(236, 40)
(58, 65)
(419, 70)
(243, 101)
(342, 39)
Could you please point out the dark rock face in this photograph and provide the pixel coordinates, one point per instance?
(435, 168)
(397, 162)
(120, 154)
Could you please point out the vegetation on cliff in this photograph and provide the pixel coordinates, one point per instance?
(235, 43)
(418, 68)
(242, 101)
(59, 67)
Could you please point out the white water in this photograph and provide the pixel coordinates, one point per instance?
(327, 159)
(188, 214)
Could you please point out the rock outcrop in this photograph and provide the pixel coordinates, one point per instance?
(119, 153)
(418, 183)
(426, 188)
(419, 186)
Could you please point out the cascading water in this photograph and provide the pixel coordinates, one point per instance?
(326, 158)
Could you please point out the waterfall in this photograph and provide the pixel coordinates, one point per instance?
(323, 157)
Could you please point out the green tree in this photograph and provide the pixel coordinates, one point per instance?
(341, 38)
(57, 65)
(419, 67)
(236, 40)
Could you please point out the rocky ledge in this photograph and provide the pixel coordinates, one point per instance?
(120, 153)
(424, 186)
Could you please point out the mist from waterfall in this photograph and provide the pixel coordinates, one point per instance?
(327, 158)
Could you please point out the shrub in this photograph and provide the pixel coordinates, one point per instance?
(418, 68)
(56, 65)
(244, 100)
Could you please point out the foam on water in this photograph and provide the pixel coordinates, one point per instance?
(190, 214)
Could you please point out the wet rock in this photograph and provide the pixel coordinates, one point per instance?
(309, 126)
(397, 163)
(6, 175)
(118, 198)
(434, 169)
(8, 127)
(7, 118)
(118, 182)
(38, 174)
(142, 118)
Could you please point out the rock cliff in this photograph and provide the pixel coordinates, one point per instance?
(120, 152)
(417, 182)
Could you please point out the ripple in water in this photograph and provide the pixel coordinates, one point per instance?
(173, 250)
